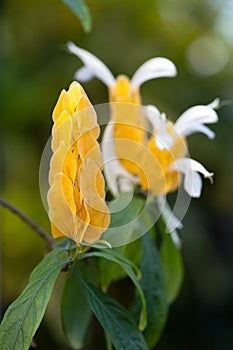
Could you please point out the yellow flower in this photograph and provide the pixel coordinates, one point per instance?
(76, 197)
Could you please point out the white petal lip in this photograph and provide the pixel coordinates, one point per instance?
(199, 128)
(215, 103)
(84, 74)
(193, 119)
(153, 115)
(93, 67)
(171, 221)
(154, 68)
(192, 180)
(176, 239)
(159, 123)
(113, 170)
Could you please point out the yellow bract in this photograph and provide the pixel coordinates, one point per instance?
(129, 123)
(138, 154)
(154, 174)
(76, 197)
(123, 92)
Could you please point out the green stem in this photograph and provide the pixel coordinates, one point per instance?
(107, 341)
(49, 240)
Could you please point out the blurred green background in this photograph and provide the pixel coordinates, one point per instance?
(197, 35)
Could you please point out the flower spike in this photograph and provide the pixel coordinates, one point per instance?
(76, 196)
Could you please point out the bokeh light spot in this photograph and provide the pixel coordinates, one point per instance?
(207, 55)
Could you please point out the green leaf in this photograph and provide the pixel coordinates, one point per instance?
(153, 286)
(75, 312)
(80, 9)
(124, 209)
(114, 318)
(125, 224)
(173, 267)
(131, 270)
(132, 251)
(113, 272)
(24, 315)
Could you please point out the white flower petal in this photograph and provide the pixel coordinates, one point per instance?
(151, 69)
(84, 74)
(159, 123)
(125, 185)
(215, 104)
(195, 128)
(207, 131)
(164, 141)
(193, 184)
(153, 116)
(116, 175)
(192, 180)
(176, 239)
(201, 114)
(93, 65)
(171, 221)
(199, 128)
(190, 120)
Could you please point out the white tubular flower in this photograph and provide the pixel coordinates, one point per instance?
(192, 180)
(194, 118)
(114, 172)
